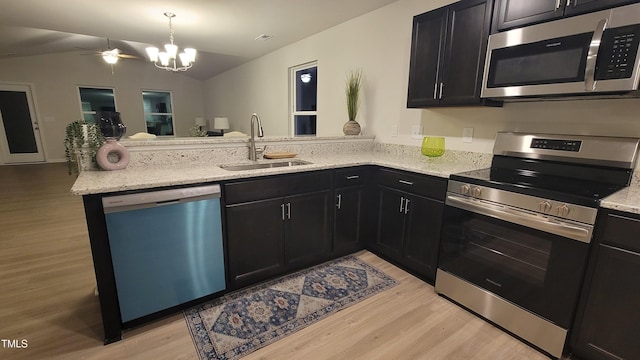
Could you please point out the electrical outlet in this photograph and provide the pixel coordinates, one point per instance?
(467, 135)
(416, 131)
(394, 130)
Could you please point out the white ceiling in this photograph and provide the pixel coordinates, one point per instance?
(223, 31)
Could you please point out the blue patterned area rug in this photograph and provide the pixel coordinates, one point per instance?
(239, 323)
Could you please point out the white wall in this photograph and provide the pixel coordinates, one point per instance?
(619, 117)
(379, 43)
(55, 80)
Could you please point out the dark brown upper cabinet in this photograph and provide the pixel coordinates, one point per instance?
(448, 50)
(517, 13)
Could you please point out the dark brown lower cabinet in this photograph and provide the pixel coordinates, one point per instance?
(607, 325)
(255, 243)
(268, 237)
(351, 222)
(277, 224)
(307, 236)
(410, 209)
(348, 220)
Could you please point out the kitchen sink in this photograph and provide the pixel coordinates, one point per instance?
(263, 165)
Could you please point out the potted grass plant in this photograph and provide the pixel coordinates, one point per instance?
(81, 143)
(353, 85)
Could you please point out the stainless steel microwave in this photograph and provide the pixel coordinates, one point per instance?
(594, 54)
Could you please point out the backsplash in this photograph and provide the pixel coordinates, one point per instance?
(413, 152)
(171, 152)
(181, 151)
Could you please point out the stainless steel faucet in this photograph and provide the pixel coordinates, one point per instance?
(253, 152)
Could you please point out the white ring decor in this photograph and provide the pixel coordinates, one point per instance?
(114, 149)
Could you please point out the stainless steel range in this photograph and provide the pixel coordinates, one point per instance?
(516, 236)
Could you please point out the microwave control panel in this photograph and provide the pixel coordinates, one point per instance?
(618, 51)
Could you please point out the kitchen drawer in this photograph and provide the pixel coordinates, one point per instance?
(276, 186)
(425, 185)
(351, 177)
(308, 182)
(253, 190)
(622, 231)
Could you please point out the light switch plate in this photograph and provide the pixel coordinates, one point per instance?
(416, 131)
(394, 130)
(467, 135)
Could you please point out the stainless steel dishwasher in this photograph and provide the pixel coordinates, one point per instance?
(166, 247)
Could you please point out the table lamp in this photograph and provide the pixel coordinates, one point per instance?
(221, 123)
(201, 123)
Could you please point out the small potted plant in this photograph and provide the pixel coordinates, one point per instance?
(81, 143)
(352, 92)
(197, 131)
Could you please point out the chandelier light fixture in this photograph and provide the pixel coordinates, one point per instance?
(167, 59)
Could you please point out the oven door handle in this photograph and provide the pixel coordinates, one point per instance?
(569, 229)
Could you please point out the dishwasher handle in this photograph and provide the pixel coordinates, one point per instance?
(151, 199)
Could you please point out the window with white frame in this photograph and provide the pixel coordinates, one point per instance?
(304, 96)
(158, 112)
(93, 100)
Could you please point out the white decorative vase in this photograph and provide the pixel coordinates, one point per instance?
(351, 127)
(112, 155)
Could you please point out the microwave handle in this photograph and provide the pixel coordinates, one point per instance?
(592, 56)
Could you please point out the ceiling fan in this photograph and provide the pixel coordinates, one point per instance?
(111, 56)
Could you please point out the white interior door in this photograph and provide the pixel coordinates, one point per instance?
(19, 131)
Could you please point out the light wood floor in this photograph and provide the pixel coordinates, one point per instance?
(47, 297)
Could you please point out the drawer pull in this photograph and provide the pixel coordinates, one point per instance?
(352, 177)
(405, 182)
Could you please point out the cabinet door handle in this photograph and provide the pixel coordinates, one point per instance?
(289, 211)
(402, 204)
(568, 3)
(282, 206)
(557, 4)
(339, 204)
(435, 91)
(441, 86)
(405, 182)
(353, 177)
(406, 206)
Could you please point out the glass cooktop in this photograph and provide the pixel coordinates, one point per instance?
(575, 185)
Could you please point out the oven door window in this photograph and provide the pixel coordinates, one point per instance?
(535, 270)
(525, 256)
(560, 60)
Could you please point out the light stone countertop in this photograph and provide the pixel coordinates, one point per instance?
(135, 178)
(627, 199)
(152, 176)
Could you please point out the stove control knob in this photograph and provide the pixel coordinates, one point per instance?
(464, 189)
(476, 192)
(563, 210)
(544, 206)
